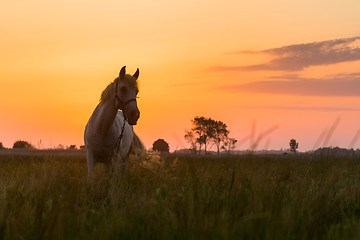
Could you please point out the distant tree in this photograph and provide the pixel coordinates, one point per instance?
(219, 134)
(206, 131)
(293, 145)
(22, 144)
(71, 147)
(161, 145)
(82, 147)
(200, 134)
(229, 144)
(1, 146)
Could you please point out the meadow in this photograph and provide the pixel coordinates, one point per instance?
(47, 196)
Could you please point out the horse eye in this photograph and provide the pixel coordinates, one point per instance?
(123, 89)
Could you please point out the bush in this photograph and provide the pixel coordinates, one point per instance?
(22, 144)
(161, 145)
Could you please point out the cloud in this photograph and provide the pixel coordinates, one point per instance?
(301, 56)
(336, 85)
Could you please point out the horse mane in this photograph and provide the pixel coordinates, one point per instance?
(128, 79)
(107, 91)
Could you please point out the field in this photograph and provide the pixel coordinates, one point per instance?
(47, 196)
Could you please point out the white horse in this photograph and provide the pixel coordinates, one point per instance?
(109, 135)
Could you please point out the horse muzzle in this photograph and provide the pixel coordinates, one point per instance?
(133, 117)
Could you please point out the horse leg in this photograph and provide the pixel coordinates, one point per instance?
(91, 164)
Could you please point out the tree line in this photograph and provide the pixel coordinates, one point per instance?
(21, 144)
(205, 134)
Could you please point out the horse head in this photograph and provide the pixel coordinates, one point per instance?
(126, 90)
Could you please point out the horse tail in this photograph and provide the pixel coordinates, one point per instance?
(137, 145)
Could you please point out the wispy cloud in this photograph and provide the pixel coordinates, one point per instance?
(300, 56)
(336, 85)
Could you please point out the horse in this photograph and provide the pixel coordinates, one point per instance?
(109, 136)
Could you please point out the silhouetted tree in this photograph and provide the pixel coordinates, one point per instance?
(71, 147)
(161, 145)
(200, 134)
(293, 145)
(229, 144)
(219, 134)
(22, 144)
(1, 146)
(206, 131)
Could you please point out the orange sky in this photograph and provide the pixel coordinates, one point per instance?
(195, 58)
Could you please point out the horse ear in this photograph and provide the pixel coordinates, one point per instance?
(136, 75)
(122, 72)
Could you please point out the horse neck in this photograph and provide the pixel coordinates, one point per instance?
(106, 115)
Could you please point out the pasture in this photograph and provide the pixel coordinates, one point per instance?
(47, 196)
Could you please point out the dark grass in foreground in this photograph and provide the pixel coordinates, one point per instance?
(253, 197)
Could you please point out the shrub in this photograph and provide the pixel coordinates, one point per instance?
(22, 144)
(161, 145)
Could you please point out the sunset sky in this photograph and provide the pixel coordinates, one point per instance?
(255, 65)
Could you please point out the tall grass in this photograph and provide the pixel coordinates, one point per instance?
(252, 197)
